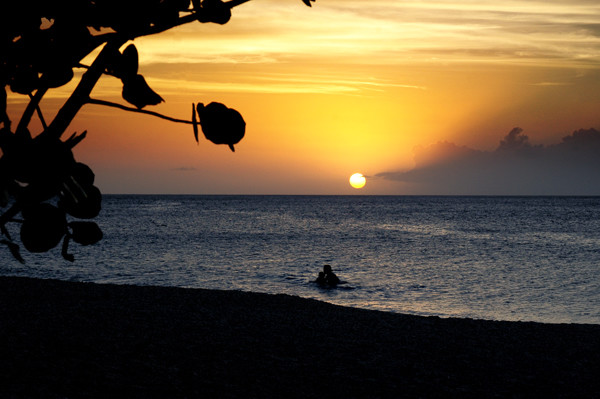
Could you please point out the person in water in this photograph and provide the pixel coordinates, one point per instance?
(321, 279)
(327, 277)
(330, 277)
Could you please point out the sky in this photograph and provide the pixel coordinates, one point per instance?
(437, 97)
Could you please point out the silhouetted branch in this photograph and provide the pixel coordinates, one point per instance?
(34, 104)
(39, 112)
(81, 93)
(161, 28)
(140, 111)
(184, 20)
(89, 79)
(83, 66)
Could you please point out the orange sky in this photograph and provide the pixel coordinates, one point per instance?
(345, 86)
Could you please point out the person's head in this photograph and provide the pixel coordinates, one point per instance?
(327, 268)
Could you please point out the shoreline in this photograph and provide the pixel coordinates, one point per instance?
(71, 339)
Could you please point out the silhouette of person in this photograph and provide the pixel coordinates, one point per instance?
(321, 279)
(330, 278)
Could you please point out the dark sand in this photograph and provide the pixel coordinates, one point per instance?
(78, 340)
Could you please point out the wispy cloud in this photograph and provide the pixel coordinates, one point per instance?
(550, 84)
(392, 32)
(195, 78)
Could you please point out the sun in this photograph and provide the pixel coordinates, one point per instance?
(357, 180)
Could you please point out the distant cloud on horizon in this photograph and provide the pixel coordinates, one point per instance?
(185, 169)
(515, 167)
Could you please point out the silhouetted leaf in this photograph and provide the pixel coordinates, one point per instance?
(85, 233)
(80, 201)
(130, 62)
(214, 11)
(83, 174)
(137, 92)
(195, 123)
(57, 77)
(24, 80)
(124, 65)
(307, 2)
(43, 228)
(41, 163)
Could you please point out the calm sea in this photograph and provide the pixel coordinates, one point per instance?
(499, 258)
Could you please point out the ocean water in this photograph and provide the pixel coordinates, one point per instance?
(495, 258)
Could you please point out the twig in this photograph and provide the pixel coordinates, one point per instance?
(140, 111)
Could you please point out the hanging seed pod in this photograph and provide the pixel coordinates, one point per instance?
(220, 124)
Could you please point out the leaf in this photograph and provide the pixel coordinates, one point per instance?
(215, 11)
(130, 61)
(85, 233)
(57, 77)
(195, 123)
(80, 201)
(137, 92)
(43, 228)
(74, 139)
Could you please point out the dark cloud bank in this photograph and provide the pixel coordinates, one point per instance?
(516, 167)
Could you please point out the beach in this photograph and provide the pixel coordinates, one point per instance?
(63, 339)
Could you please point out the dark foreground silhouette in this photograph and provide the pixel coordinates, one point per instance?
(62, 339)
(41, 43)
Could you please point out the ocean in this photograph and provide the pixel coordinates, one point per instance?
(494, 258)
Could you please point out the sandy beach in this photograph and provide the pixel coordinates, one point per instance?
(81, 340)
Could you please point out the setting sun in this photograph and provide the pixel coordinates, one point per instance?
(357, 180)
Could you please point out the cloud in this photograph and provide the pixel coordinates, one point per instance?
(515, 167)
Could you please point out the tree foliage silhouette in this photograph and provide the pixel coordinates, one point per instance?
(41, 43)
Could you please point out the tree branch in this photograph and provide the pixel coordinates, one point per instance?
(39, 112)
(82, 92)
(33, 105)
(80, 95)
(191, 17)
(139, 111)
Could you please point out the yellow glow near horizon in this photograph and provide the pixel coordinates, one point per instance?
(357, 180)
